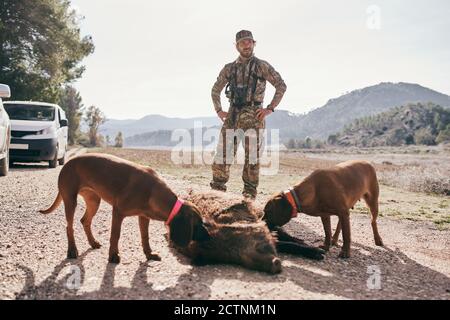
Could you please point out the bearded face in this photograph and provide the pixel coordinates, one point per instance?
(245, 47)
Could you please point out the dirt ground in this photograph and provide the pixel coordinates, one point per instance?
(414, 264)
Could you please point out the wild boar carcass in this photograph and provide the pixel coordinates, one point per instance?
(238, 236)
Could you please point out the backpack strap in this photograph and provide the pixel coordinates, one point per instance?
(255, 77)
(231, 85)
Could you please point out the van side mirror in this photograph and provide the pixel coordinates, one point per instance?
(5, 92)
(63, 123)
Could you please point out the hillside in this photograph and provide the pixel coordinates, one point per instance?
(164, 138)
(151, 123)
(411, 124)
(283, 120)
(337, 113)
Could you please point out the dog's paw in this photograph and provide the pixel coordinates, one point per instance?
(153, 256)
(96, 245)
(344, 254)
(115, 258)
(72, 253)
(379, 242)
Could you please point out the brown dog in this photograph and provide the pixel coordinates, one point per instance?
(132, 190)
(327, 192)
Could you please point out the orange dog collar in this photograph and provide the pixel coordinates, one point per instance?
(293, 200)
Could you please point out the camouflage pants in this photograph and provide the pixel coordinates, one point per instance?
(239, 126)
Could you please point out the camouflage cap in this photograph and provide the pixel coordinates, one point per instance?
(243, 34)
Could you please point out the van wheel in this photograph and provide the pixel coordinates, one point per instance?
(62, 161)
(54, 162)
(4, 164)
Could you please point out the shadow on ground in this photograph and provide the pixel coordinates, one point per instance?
(23, 167)
(371, 273)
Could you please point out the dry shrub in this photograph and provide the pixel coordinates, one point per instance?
(418, 179)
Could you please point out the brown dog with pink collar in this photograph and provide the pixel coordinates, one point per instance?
(326, 192)
(132, 190)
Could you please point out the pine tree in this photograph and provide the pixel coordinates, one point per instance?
(119, 140)
(94, 118)
(40, 47)
(72, 104)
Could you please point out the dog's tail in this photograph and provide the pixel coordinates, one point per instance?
(55, 205)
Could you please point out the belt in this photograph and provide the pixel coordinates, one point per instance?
(251, 104)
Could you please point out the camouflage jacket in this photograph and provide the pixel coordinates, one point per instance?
(264, 71)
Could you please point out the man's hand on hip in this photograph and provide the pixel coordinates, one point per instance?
(222, 115)
(262, 113)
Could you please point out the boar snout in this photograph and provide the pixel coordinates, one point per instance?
(276, 266)
(267, 263)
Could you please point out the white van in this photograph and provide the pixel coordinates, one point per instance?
(5, 132)
(38, 132)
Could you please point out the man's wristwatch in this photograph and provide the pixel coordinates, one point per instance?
(271, 109)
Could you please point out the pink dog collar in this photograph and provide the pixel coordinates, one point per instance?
(176, 208)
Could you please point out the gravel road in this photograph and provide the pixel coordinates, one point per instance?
(414, 264)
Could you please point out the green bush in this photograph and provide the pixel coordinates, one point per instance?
(444, 135)
(424, 136)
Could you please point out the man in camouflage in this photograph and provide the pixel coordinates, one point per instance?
(246, 83)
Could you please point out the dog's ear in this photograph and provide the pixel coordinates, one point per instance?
(181, 227)
(187, 225)
(277, 211)
(181, 230)
(200, 232)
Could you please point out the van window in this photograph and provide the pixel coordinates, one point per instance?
(30, 112)
(61, 114)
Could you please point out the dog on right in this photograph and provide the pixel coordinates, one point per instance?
(327, 192)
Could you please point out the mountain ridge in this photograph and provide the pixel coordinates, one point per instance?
(318, 123)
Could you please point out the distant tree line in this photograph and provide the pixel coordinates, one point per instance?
(71, 102)
(307, 143)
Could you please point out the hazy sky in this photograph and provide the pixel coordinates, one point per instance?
(162, 57)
